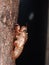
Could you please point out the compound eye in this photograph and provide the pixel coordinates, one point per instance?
(17, 27)
(24, 28)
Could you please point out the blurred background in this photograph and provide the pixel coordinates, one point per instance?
(34, 14)
(47, 48)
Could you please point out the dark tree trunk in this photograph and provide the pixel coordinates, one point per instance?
(8, 16)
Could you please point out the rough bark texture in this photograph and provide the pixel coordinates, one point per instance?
(8, 16)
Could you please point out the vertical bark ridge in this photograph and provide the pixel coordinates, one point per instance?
(8, 16)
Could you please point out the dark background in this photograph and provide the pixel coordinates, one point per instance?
(35, 48)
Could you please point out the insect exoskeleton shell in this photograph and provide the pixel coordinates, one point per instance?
(17, 52)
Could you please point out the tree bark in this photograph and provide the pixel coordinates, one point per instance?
(8, 17)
